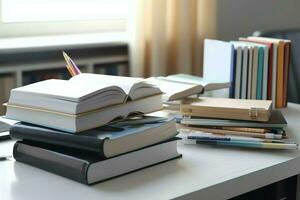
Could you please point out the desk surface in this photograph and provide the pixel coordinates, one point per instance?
(204, 172)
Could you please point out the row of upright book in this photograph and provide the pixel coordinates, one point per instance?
(259, 67)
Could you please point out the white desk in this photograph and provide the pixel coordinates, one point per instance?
(204, 172)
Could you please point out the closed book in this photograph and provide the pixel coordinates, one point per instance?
(89, 168)
(218, 57)
(241, 109)
(287, 50)
(235, 78)
(277, 120)
(261, 91)
(106, 141)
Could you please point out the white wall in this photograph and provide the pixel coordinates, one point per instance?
(237, 18)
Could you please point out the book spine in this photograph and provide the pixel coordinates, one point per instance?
(260, 73)
(287, 51)
(232, 74)
(20, 131)
(65, 166)
(280, 72)
(270, 72)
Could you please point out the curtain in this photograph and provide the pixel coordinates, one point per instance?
(166, 36)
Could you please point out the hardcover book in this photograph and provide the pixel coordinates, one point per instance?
(106, 141)
(89, 168)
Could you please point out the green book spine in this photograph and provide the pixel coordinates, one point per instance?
(260, 72)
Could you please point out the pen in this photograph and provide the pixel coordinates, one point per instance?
(244, 144)
(233, 138)
(71, 66)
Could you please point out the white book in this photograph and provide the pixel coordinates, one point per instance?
(83, 102)
(265, 72)
(84, 121)
(179, 86)
(82, 93)
(218, 60)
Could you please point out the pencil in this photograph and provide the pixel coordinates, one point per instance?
(71, 66)
(76, 69)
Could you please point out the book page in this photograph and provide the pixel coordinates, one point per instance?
(61, 89)
(172, 88)
(126, 83)
(190, 79)
(185, 78)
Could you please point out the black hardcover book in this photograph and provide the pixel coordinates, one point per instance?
(107, 141)
(87, 167)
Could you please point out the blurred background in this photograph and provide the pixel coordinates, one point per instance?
(124, 37)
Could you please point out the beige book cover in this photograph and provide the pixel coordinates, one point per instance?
(240, 109)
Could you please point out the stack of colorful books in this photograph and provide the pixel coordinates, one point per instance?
(92, 127)
(234, 122)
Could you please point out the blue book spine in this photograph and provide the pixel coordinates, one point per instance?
(232, 73)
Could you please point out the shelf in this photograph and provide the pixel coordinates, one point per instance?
(28, 60)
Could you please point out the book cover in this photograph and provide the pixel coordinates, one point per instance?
(89, 168)
(260, 74)
(240, 109)
(218, 56)
(287, 50)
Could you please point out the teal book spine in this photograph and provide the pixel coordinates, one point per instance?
(260, 73)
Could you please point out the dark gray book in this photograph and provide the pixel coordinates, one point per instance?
(107, 141)
(88, 167)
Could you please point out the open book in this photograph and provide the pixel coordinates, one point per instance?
(179, 86)
(83, 102)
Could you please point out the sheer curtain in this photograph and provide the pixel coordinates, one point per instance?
(166, 36)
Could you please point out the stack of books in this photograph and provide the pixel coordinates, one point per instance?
(259, 67)
(90, 128)
(234, 122)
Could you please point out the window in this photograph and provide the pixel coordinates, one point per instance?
(46, 17)
(61, 10)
